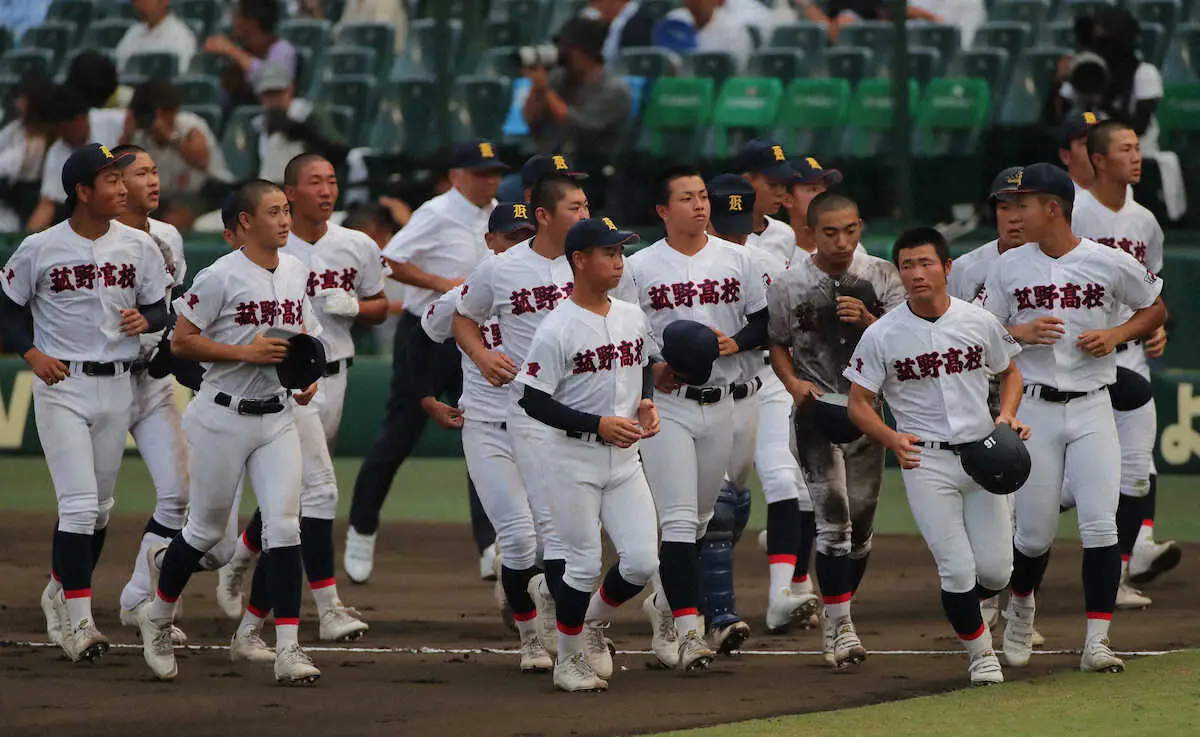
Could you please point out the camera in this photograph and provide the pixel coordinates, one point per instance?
(541, 56)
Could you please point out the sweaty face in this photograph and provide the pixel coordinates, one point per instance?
(1035, 215)
(1123, 162)
(798, 197)
(601, 265)
(572, 208)
(141, 182)
(688, 208)
(1010, 228)
(922, 272)
(768, 195)
(271, 221)
(315, 192)
(107, 198)
(836, 236)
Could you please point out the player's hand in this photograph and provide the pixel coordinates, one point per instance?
(496, 367)
(803, 392)
(49, 370)
(904, 447)
(337, 301)
(1156, 343)
(1021, 429)
(265, 350)
(446, 416)
(620, 431)
(853, 311)
(665, 378)
(1098, 342)
(133, 322)
(1042, 331)
(306, 396)
(728, 346)
(648, 418)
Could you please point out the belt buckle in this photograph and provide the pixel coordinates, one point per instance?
(243, 406)
(710, 395)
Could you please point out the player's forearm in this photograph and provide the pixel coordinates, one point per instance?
(781, 364)
(754, 334)
(407, 273)
(41, 216)
(862, 413)
(372, 310)
(195, 347)
(14, 330)
(155, 314)
(466, 334)
(549, 411)
(1012, 385)
(1143, 322)
(648, 381)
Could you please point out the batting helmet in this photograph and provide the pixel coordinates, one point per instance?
(305, 362)
(831, 415)
(1130, 391)
(999, 462)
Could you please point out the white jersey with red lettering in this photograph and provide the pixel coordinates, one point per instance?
(969, 271)
(777, 239)
(480, 400)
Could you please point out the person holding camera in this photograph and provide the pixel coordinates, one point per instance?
(290, 125)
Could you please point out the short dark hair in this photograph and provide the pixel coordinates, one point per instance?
(153, 95)
(1066, 207)
(291, 172)
(128, 148)
(65, 103)
(94, 75)
(662, 190)
(550, 190)
(249, 196)
(923, 236)
(1100, 136)
(364, 214)
(827, 202)
(263, 12)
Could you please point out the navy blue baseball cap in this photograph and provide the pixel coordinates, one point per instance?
(477, 155)
(766, 158)
(690, 348)
(86, 162)
(1043, 178)
(1075, 125)
(594, 232)
(1006, 183)
(732, 200)
(540, 165)
(509, 217)
(809, 170)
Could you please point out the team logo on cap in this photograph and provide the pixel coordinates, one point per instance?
(486, 150)
(778, 151)
(735, 203)
(521, 212)
(560, 163)
(1015, 179)
(104, 150)
(1089, 118)
(611, 225)
(813, 163)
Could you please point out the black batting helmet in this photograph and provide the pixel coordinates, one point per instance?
(999, 462)
(305, 362)
(832, 417)
(1131, 390)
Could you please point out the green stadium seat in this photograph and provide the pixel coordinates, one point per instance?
(343, 60)
(333, 9)
(1179, 120)
(307, 33)
(499, 62)
(810, 38)
(876, 35)
(208, 65)
(561, 12)
(479, 106)
(812, 114)
(1070, 9)
(20, 62)
(1153, 43)
(783, 64)
(869, 121)
(6, 40)
(356, 92)
(1033, 12)
(76, 12)
(989, 64)
(850, 64)
(1183, 60)
(422, 39)
(947, 39)
(343, 117)
(648, 62)
(1060, 34)
(502, 32)
(1166, 13)
(105, 34)
(1011, 36)
(208, 12)
(951, 118)
(380, 38)
(746, 108)
(405, 121)
(924, 63)
(210, 113)
(158, 64)
(55, 37)
(197, 89)
(67, 61)
(674, 117)
(239, 142)
(305, 70)
(122, 9)
(531, 17)
(716, 65)
(1032, 79)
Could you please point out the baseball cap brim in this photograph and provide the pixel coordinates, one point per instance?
(119, 162)
(510, 228)
(781, 172)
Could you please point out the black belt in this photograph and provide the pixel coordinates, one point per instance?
(251, 406)
(333, 368)
(767, 360)
(1050, 394)
(589, 437)
(705, 395)
(97, 368)
(941, 445)
(743, 390)
(1122, 347)
(138, 367)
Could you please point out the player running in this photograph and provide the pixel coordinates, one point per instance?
(930, 359)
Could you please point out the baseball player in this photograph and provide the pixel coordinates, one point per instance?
(761, 440)
(1060, 296)
(483, 416)
(1072, 148)
(966, 279)
(587, 377)
(931, 359)
(241, 422)
(345, 283)
(92, 287)
(539, 165)
(1107, 214)
(765, 165)
(820, 307)
(519, 289)
(690, 275)
(811, 179)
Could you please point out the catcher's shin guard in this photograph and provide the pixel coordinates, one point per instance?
(716, 559)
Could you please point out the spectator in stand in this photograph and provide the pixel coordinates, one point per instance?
(254, 44)
(23, 144)
(160, 30)
(183, 148)
(704, 25)
(630, 24)
(392, 12)
(837, 14)
(94, 76)
(19, 16)
(74, 124)
(290, 126)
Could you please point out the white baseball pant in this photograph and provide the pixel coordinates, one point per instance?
(318, 486)
(329, 401)
(82, 422)
(1137, 431)
(774, 458)
(745, 435)
(968, 530)
(490, 463)
(685, 463)
(157, 427)
(528, 438)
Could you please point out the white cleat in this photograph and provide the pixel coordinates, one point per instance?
(729, 639)
(990, 609)
(84, 643)
(341, 623)
(157, 647)
(359, 559)
(230, 582)
(694, 652)
(1098, 657)
(487, 562)
(1037, 640)
(1130, 598)
(803, 588)
(129, 618)
(828, 635)
(293, 667)
(1018, 632)
(786, 607)
(598, 648)
(575, 673)
(248, 646)
(534, 658)
(55, 610)
(985, 670)
(664, 640)
(547, 612)
(1152, 559)
(847, 648)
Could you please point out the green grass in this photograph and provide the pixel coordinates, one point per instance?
(434, 489)
(1155, 697)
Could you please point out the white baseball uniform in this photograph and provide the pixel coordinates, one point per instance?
(969, 271)
(519, 288)
(231, 301)
(594, 363)
(75, 289)
(720, 286)
(485, 440)
(777, 239)
(1087, 288)
(934, 376)
(1134, 230)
